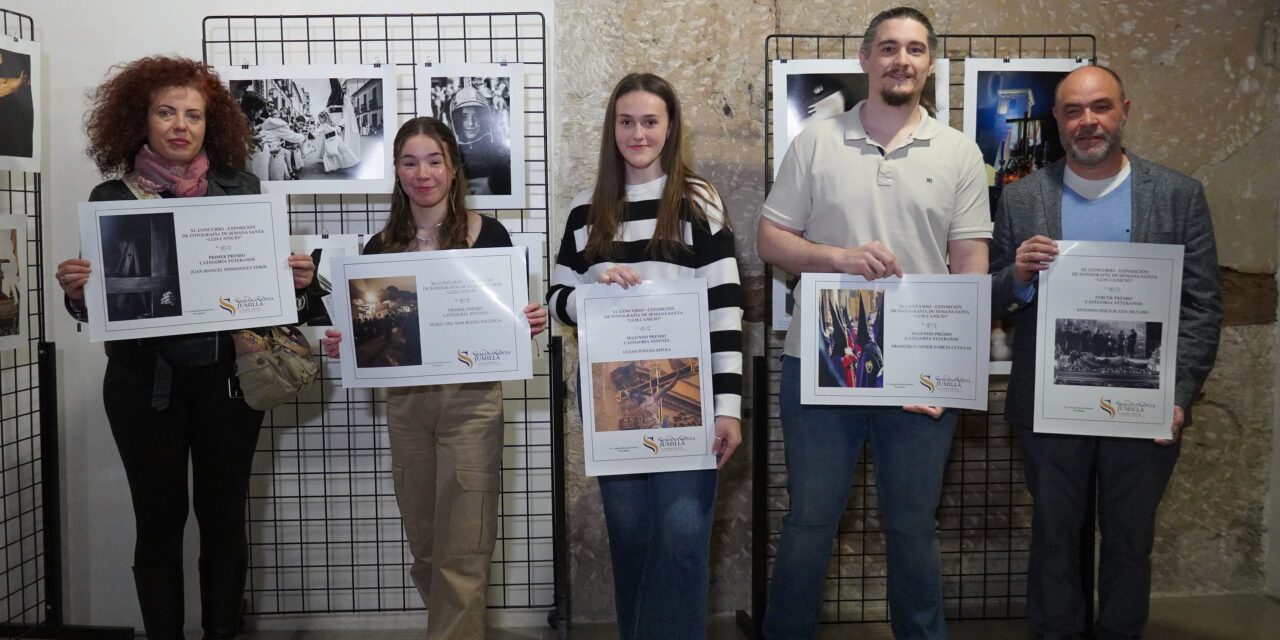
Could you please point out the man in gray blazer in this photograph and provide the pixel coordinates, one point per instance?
(1099, 191)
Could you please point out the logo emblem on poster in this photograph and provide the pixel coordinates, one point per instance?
(650, 444)
(1107, 406)
(465, 358)
(227, 305)
(928, 382)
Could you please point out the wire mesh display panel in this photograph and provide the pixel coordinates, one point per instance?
(325, 532)
(985, 512)
(23, 585)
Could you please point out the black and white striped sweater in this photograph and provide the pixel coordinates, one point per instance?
(712, 259)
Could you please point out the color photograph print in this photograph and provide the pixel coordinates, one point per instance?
(384, 322)
(850, 332)
(1107, 353)
(13, 282)
(323, 249)
(808, 91)
(1008, 112)
(483, 103)
(318, 128)
(140, 266)
(20, 113)
(646, 394)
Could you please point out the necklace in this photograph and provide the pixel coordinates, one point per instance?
(417, 234)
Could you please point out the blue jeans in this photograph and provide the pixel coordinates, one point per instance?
(823, 444)
(660, 541)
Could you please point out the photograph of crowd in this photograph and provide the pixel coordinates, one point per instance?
(19, 102)
(1107, 353)
(484, 106)
(646, 394)
(384, 321)
(851, 330)
(1009, 114)
(140, 266)
(12, 265)
(314, 124)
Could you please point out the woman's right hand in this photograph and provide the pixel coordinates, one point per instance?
(621, 275)
(72, 275)
(330, 341)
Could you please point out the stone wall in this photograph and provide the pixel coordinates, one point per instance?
(1204, 77)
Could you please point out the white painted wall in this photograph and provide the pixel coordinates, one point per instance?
(81, 40)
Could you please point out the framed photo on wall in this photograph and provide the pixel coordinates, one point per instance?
(13, 282)
(20, 111)
(483, 103)
(318, 128)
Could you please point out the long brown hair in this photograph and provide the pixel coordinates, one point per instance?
(609, 200)
(401, 230)
(117, 119)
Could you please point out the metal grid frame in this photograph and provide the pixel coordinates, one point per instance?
(985, 512)
(27, 593)
(325, 533)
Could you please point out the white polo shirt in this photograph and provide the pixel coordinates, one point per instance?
(839, 188)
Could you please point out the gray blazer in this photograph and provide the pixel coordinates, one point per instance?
(1168, 208)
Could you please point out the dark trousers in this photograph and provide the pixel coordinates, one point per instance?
(1131, 478)
(202, 423)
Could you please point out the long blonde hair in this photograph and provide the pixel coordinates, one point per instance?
(608, 208)
(400, 230)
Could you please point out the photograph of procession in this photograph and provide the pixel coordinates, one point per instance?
(12, 283)
(384, 321)
(1009, 114)
(850, 332)
(140, 266)
(646, 394)
(316, 125)
(1107, 353)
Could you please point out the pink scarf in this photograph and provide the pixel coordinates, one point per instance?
(157, 174)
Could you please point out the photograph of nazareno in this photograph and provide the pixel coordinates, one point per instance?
(384, 320)
(646, 394)
(1107, 353)
(10, 283)
(17, 108)
(140, 266)
(850, 332)
(478, 110)
(314, 128)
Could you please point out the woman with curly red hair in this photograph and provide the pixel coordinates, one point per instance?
(169, 128)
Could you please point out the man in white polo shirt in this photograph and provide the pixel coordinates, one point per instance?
(881, 190)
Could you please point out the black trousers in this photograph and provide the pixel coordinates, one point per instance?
(202, 423)
(1131, 477)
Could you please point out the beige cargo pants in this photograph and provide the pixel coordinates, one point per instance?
(446, 455)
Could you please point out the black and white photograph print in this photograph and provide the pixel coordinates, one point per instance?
(13, 282)
(809, 91)
(20, 80)
(483, 104)
(140, 266)
(318, 129)
(1009, 114)
(384, 321)
(1107, 353)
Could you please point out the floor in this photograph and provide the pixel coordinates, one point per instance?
(1236, 617)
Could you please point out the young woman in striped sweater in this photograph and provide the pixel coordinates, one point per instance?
(650, 217)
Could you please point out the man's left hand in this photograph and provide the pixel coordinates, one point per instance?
(1178, 416)
(304, 270)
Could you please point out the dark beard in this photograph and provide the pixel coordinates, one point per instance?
(896, 99)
